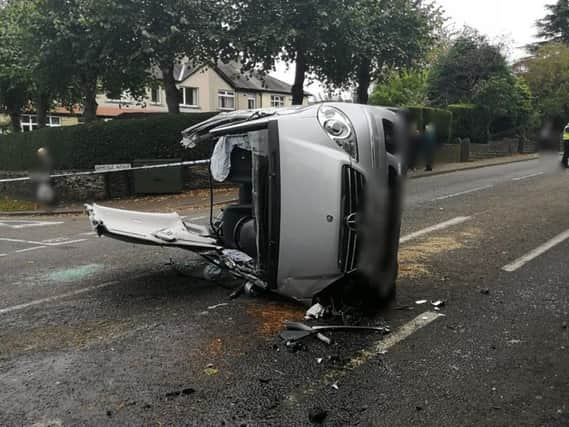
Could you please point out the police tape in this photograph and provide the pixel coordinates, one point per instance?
(99, 172)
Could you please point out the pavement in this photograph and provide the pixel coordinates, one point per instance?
(97, 332)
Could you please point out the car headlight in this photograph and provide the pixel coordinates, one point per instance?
(339, 128)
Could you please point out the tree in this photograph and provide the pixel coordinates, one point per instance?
(470, 60)
(507, 99)
(14, 74)
(297, 31)
(402, 88)
(90, 43)
(548, 78)
(173, 31)
(554, 27)
(395, 34)
(377, 38)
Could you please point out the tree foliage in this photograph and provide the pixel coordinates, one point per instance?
(174, 30)
(548, 77)
(289, 30)
(554, 27)
(402, 88)
(470, 60)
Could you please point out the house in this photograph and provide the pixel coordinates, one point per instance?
(207, 88)
(201, 88)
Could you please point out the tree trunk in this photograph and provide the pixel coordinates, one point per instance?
(299, 76)
(90, 101)
(170, 88)
(42, 108)
(364, 81)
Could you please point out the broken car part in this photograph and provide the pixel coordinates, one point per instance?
(319, 200)
(301, 326)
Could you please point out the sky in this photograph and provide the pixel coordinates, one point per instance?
(512, 21)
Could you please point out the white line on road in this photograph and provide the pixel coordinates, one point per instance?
(55, 298)
(68, 242)
(50, 242)
(363, 356)
(462, 193)
(198, 218)
(90, 233)
(521, 178)
(520, 262)
(437, 227)
(35, 248)
(3, 255)
(18, 224)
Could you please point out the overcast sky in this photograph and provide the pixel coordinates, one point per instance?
(513, 20)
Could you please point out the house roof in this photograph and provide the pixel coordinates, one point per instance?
(253, 81)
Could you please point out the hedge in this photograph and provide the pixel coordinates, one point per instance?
(442, 120)
(81, 147)
(470, 121)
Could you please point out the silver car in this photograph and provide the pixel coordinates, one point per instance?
(320, 191)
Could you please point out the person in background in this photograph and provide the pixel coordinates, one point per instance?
(413, 147)
(429, 144)
(546, 137)
(44, 193)
(565, 137)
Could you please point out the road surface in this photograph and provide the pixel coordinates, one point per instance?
(98, 332)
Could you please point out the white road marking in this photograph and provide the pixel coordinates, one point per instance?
(50, 242)
(18, 224)
(520, 262)
(462, 193)
(55, 298)
(90, 233)
(437, 227)
(68, 242)
(378, 348)
(34, 248)
(30, 242)
(198, 218)
(521, 178)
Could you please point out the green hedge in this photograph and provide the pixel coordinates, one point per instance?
(441, 118)
(470, 121)
(119, 141)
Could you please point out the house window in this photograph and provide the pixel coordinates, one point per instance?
(155, 95)
(53, 121)
(188, 96)
(251, 102)
(226, 100)
(277, 101)
(29, 122)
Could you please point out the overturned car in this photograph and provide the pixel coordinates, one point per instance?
(320, 191)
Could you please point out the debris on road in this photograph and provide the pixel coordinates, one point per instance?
(213, 307)
(317, 415)
(335, 386)
(298, 326)
(185, 392)
(210, 371)
(317, 311)
(421, 302)
(438, 303)
(485, 291)
(319, 360)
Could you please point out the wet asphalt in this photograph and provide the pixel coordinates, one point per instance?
(98, 332)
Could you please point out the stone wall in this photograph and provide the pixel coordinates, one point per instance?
(96, 187)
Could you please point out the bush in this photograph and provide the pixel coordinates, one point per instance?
(470, 121)
(441, 118)
(120, 141)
